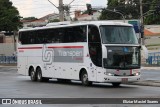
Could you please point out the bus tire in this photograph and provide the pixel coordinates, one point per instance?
(33, 74)
(39, 76)
(116, 84)
(84, 79)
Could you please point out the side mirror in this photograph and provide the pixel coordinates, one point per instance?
(145, 52)
(104, 51)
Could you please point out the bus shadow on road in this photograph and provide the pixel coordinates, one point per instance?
(94, 85)
(78, 83)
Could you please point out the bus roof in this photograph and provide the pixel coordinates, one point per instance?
(68, 24)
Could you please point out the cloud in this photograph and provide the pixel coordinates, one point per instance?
(23, 8)
(39, 8)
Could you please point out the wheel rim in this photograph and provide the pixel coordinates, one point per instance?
(39, 76)
(32, 75)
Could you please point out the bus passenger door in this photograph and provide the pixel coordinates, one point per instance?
(95, 50)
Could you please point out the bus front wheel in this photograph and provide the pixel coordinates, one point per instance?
(84, 79)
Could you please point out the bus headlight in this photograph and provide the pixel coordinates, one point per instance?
(109, 74)
(137, 74)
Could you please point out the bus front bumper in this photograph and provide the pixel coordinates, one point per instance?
(121, 79)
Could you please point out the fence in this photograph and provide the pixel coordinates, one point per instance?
(8, 59)
(154, 58)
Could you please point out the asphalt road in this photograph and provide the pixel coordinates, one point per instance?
(13, 85)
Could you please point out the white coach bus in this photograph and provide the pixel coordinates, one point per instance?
(95, 51)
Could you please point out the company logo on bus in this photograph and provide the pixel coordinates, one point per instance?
(73, 54)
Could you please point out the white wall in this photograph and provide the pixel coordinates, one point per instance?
(6, 49)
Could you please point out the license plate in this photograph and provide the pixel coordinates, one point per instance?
(124, 80)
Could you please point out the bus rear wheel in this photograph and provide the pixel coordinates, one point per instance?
(33, 74)
(39, 76)
(84, 79)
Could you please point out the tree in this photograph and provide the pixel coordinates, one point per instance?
(110, 15)
(9, 16)
(154, 18)
(129, 8)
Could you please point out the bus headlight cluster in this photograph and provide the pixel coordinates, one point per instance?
(137, 73)
(109, 74)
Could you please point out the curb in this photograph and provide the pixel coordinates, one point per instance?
(8, 66)
(150, 68)
(154, 83)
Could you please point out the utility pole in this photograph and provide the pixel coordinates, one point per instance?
(142, 22)
(61, 10)
(141, 11)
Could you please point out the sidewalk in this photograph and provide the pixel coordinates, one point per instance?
(8, 65)
(155, 83)
(150, 68)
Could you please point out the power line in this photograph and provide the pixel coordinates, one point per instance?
(34, 8)
(71, 2)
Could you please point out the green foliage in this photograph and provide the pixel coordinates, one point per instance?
(154, 18)
(131, 10)
(128, 9)
(9, 16)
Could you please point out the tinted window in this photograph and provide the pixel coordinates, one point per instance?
(94, 45)
(93, 34)
(57, 35)
(76, 34)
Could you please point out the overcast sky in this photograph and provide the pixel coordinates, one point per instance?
(40, 8)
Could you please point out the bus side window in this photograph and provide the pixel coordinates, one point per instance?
(94, 45)
(80, 33)
(93, 34)
(75, 34)
(25, 38)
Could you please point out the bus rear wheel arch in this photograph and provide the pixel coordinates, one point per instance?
(84, 78)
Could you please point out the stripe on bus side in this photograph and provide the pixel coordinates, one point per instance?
(51, 47)
(30, 48)
(65, 47)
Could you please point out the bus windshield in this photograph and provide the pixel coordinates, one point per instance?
(118, 35)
